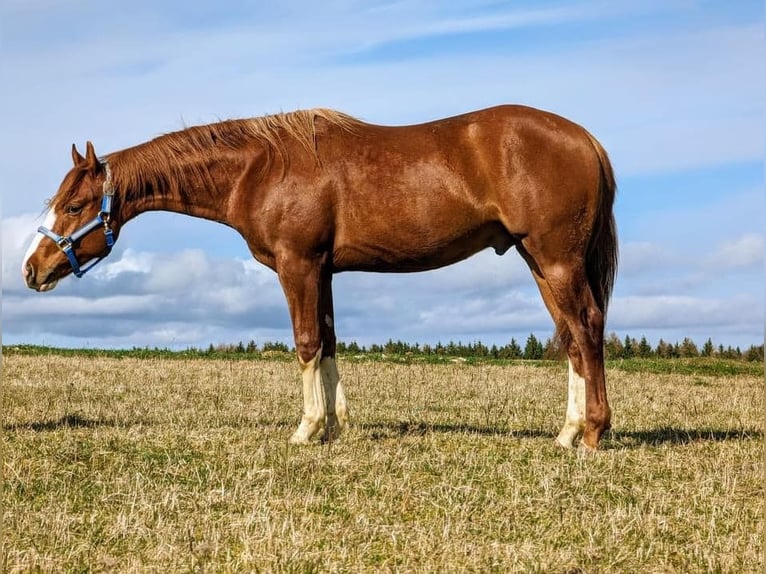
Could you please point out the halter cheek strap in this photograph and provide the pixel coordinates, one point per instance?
(66, 242)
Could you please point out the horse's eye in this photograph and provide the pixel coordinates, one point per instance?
(73, 209)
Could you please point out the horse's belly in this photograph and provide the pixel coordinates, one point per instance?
(404, 252)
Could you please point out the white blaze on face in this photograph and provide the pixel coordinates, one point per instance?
(50, 221)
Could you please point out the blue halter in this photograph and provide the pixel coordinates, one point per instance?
(66, 243)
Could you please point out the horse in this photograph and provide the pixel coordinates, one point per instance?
(318, 192)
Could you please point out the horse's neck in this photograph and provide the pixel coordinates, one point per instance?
(201, 189)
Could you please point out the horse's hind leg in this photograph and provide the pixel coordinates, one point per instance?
(574, 422)
(572, 293)
(580, 324)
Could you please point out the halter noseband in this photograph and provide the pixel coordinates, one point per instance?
(66, 242)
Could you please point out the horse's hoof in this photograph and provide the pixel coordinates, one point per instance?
(584, 450)
(298, 439)
(558, 443)
(330, 435)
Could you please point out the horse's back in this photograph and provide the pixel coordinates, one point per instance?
(429, 188)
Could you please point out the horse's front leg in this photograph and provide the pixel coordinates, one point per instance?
(324, 401)
(314, 402)
(301, 281)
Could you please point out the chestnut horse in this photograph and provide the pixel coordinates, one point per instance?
(318, 192)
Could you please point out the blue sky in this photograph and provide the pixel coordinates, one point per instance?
(674, 89)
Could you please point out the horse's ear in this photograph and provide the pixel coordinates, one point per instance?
(90, 156)
(76, 157)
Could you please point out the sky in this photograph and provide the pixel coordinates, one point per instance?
(673, 89)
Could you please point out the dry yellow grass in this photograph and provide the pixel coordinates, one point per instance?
(159, 465)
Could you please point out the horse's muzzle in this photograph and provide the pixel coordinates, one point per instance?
(34, 281)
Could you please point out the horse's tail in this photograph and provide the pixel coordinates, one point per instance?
(602, 251)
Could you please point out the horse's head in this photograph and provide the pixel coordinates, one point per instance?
(79, 227)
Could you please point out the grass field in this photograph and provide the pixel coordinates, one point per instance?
(123, 464)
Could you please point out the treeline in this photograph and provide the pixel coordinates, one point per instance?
(629, 348)
(533, 349)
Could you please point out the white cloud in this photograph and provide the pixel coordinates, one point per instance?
(69, 306)
(414, 22)
(640, 257)
(130, 261)
(682, 311)
(745, 251)
(516, 311)
(670, 267)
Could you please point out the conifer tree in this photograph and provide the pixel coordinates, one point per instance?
(628, 348)
(534, 348)
(644, 349)
(613, 346)
(688, 348)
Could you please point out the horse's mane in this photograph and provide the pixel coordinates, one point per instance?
(153, 168)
